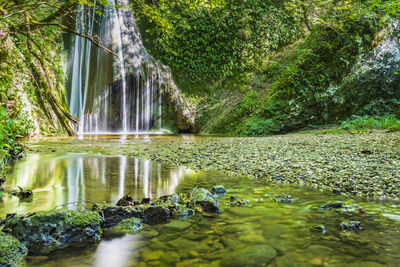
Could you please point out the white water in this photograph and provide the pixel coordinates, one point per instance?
(112, 94)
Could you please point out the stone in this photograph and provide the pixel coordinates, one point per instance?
(12, 251)
(156, 215)
(206, 200)
(320, 228)
(127, 226)
(335, 205)
(259, 255)
(44, 232)
(337, 191)
(112, 215)
(177, 225)
(151, 255)
(252, 239)
(283, 198)
(218, 190)
(180, 211)
(183, 244)
(351, 225)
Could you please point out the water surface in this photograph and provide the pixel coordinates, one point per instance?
(66, 178)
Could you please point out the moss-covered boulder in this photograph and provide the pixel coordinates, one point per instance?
(205, 200)
(112, 214)
(12, 252)
(148, 213)
(127, 226)
(43, 232)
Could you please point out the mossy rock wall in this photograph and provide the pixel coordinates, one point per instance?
(47, 231)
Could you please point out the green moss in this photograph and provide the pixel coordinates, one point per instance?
(12, 252)
(46, 231)
(127, 226)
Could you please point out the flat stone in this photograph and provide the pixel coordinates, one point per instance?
(218, 189)
(151, 255)
(178, 225)
(127, 226)
(258, 255)
(252, 239)
(183, 244)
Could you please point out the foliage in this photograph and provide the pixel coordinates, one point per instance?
(390, 123)
(260, 127)
(10, 130)
(207, 44)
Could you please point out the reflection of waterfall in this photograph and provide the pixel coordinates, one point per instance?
(122, 173)
(75, 182)
(76, 177)
(110, 94)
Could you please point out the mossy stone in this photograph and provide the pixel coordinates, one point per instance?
(127, 226)
(12, 251)
(44, 232)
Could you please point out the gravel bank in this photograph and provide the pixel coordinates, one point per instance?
(367, 165)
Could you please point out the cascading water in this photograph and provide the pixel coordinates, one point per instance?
(108, 93)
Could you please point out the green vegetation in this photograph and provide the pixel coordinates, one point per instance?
(10, 130)
(327, 76)
(203, 45)
(365, 123)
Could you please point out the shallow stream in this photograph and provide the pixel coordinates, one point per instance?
(292, 230)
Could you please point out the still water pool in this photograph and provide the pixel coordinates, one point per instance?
(286, 232)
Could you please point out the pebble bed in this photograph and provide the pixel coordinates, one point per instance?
(366, 165)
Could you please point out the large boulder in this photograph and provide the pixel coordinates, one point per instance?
(112, 215)
(44, 232)
(149, 214)
(205, 200)
(12, 252)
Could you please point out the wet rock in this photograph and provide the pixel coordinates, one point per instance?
(150, 255)
(112, 215)
(320, 228)
(156, 215)
(177, 225)
(252, 239)
(337, 191)
(179, 210)
(320, 250)
(218, 190)
(125, 201)
(283, 198)
(43, 232)
(182, 244)
(127, 226)
(37, 259)
(351, 225)
(205, 200)
(12, 251)
(258, 255)
(22, 194)
(234, 201)
(175, 198)
(335, 205)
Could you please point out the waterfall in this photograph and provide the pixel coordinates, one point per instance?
(112, 94)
